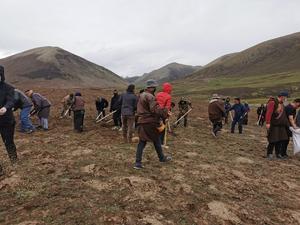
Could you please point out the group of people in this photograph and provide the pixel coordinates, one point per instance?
(221, 109)
(277, 115)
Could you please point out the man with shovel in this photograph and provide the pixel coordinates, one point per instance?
(183, 106)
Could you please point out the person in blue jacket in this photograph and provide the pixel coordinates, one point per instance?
(239, 113)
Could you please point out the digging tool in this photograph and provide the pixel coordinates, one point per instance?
(260, 116)
(166, 136)
(109, 121)
(67, 111)
(182, 117)
(103, 118)
(99, 116)
(231, 117)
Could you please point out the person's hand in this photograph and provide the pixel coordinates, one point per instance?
(3, 111)
(268, 126)
(170, 114)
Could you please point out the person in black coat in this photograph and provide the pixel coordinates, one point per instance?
(7, 120)
(115, 105)
(101, 105)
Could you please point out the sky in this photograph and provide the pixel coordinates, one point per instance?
(132, 37)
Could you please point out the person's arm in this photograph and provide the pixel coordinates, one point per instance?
(155, 109)
(269, 113)
(292, 122)
(10, 98)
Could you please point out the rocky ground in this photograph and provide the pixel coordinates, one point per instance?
(68, 178)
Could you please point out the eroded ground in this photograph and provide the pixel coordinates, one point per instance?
(69, 178)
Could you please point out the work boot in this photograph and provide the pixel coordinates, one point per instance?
(166, 159)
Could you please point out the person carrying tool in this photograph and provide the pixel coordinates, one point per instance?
(183, 106)
(216, 113)
(67, 104)
(101, 104)
(261, 115)
(23, 102)
(7, 120)
(128, 110)
(227, 107)
(115, 105)
(164, 100)
(41, 108)
(149, 117)
(239, 113)
(79, 111)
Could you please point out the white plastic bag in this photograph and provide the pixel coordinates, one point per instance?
(296, 139)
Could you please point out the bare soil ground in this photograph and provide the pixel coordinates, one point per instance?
(68, 178)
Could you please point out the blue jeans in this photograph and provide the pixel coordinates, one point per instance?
(26, 123)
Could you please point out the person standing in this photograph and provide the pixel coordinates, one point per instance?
(261, 115)
(115, 105)
(41, 108)
(276, 124)
(128, 110)
(79, 111)
(239, 112)
(101, 104)
(290, 110)
(23, 102)
(67, 103)
(227, 107)
(183, 106)
(149, 117)
(7, 120)
(216, 113)
(164, 100)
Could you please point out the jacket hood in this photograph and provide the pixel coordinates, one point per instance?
(2, 74)
(167, 87)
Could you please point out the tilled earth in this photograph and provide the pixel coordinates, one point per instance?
(68, 178)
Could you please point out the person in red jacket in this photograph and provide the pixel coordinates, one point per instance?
(164, 100)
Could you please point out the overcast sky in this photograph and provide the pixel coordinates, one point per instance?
(131, 37)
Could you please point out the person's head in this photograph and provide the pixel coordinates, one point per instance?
(182, 99)
(29, 93)
(282, 96)
(215, 96)
(167, 87)
(237, 100)
(151, 86)
(227, 99)
(71, 95)
(2, 74)
(130, 88)
(262, 105)
(115, 92)
(296, 103)
(78, 94)
(142, 91)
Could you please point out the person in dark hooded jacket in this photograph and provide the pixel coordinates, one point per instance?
(7, 120)
(79, 111)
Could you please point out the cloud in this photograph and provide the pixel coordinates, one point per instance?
(131, 37)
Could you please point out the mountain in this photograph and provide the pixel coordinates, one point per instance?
(131, 80)
(168, 73)
(273, 56)
(55, 67)
(259, 71)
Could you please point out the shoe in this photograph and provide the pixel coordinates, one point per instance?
(214, 134)
(115, 128)
(280, 157)
(166, 159)
(120, 129)
(39, 127)
(270, 157)
(29, 131)
(138, 166)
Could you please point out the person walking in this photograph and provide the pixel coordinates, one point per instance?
(183, 106)
(66, 102)
(128, 110)
(115, 105)
(239, 112)
(276, 124)
(23, 102)
(216, 113)
(290, 110)
(41, 108)
(101, 104)
(164, 100)
(78, 111)
(149, 117)
(7, 120)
